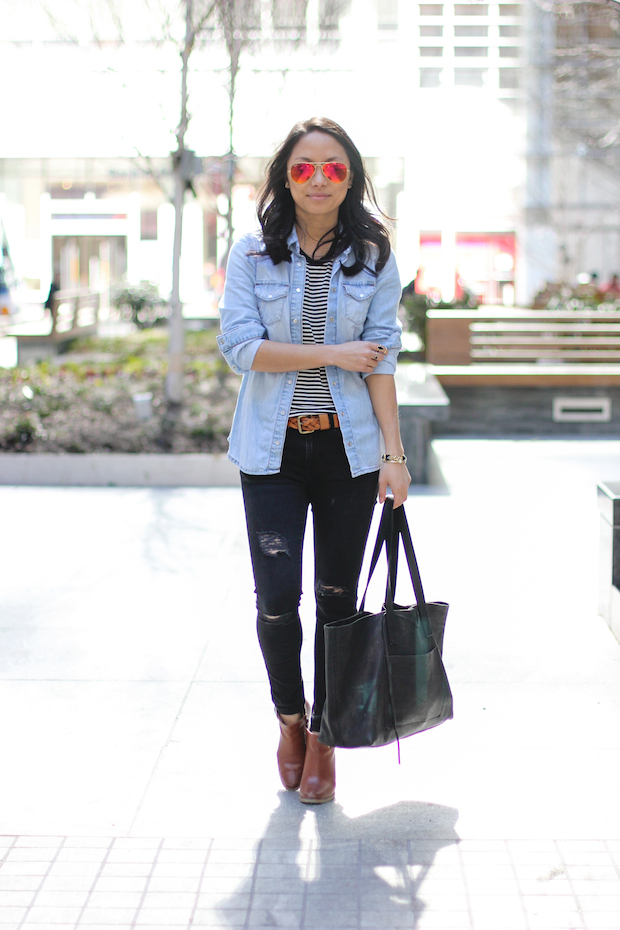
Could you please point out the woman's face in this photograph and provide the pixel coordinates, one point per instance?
(318, 197)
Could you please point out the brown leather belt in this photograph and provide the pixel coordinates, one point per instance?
(314, 421)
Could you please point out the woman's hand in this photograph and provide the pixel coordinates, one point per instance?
(358, 356)
(287, 356)
(396, 477)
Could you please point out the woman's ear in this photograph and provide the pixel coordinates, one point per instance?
(286, 184)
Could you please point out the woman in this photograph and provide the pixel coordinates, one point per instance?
(309, 319)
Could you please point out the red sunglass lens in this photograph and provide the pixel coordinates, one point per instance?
(335, 172)
(302, 172)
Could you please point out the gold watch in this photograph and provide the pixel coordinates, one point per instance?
(395, 459)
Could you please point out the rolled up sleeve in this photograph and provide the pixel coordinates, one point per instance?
(242, 328)
(382, 324)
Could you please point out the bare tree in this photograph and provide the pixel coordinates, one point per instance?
(99, 19)
(572, 109)
(233, 17)
(185, 167)
(586, 71)
(242, 22)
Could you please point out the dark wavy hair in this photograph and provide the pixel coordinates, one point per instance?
(357, 226)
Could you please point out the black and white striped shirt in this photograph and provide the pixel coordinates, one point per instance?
(312, 394)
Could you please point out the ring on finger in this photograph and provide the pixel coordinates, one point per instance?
(376, 357)
(382, 348)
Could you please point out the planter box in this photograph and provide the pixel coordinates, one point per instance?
(608, 493)
(120, 470)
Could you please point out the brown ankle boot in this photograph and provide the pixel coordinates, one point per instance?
(292, 751)
(318, 782)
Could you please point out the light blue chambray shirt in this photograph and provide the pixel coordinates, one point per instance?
(264, 301)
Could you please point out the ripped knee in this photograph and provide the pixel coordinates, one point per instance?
(273, 544)
(329, 590)
(278, 619)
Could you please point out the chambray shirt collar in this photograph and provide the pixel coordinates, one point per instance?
(293, 241)
(345, 258)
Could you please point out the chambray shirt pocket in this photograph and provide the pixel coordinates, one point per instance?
(271, 299)
(357, 301)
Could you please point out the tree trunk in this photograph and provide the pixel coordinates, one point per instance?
(234, 65)
(176, 331)
(229, 13)
(176, 344)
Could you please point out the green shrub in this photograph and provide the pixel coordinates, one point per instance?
(140, 303)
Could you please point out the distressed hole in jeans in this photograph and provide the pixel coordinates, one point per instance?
(273, 544)
(279, 618)
(328, 590)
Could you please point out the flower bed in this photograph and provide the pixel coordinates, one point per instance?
(82, 401)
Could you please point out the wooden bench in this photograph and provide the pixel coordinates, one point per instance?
(77, 314)
(513, 346)
(421, 399)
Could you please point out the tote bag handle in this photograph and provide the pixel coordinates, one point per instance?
(392, 526)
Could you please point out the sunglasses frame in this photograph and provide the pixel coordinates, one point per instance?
(321, 165)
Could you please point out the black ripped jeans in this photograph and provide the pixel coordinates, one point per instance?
(315, 471)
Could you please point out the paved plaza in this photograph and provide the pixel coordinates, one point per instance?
(138, 783)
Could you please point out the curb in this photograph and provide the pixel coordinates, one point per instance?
(196, 470)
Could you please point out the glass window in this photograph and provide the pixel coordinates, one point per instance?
(427, 51)
(471, 31)
(508, 51)
(509, 9)
(289, 13)
(509, 78)
(431, 9)
(148, 224)
(471, 9)
(468, 51)
(431, 30)
(469, 77)
(507, 32)
(430, 77)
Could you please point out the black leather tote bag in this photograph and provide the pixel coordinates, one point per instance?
(384, 672)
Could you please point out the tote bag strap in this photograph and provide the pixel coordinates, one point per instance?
(393, 525)
(383, 534)
(400, 529)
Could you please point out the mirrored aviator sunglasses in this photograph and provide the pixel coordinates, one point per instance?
(334, 171)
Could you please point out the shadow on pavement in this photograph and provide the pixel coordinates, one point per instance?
(317, 867)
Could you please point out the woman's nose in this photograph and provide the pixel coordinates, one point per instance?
(318, 178)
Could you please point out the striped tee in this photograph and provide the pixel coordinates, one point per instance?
(312, 394)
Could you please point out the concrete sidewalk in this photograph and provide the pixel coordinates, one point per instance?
(138, 781)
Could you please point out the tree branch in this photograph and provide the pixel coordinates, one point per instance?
(149, 170)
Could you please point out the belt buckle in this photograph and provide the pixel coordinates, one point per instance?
(303, 432)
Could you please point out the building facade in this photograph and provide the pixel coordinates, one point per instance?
(451, 104)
